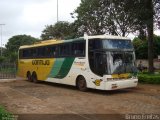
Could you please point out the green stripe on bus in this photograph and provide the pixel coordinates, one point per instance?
(56, 67)
(66, 66)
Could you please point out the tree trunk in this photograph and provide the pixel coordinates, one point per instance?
(150, 48)
(150, 36)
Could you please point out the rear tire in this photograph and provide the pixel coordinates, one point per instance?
(29, 77)
(34, 77)
(81, 84)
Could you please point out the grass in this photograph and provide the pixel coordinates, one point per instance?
(146, 77)
(5, 115)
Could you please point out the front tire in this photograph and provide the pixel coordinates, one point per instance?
(81, 84)
(29, 77)
(34, 77)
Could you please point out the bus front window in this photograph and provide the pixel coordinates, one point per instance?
(122, 62)
(111, 56)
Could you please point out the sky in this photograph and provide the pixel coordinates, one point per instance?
(30, 16)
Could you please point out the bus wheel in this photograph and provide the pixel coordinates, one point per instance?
(29, 77)
(81, 84)
(34, 77)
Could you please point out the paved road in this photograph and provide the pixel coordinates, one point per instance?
(23, 97)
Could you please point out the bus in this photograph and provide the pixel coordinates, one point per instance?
(101, 62)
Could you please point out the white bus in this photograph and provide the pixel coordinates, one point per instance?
(98, 62)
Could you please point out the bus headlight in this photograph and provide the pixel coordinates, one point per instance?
(134, 77)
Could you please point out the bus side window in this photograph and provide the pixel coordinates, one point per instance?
(41, 52)
(47, 52)
(34, 52)
(53, 51)
(95, 44)
(78, 49)
(64, 50)
(26, 53)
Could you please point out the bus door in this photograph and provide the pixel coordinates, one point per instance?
(100, 63)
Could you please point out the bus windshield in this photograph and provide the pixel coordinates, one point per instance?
(109, 56)
(121, 62)
(117, 44)
(97, 44)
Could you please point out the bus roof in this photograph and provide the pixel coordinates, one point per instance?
(105, 36)
(48, 42)
(54, 41)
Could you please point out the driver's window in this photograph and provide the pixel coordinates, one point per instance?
(100, 64)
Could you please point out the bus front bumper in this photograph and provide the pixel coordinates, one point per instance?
(120, 84)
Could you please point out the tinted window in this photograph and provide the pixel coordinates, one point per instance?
(64, 50)
(41, 52)
(71, 49)
(78, 49)
(34, 52)
(25, 53)
(53, 51)
(95, 44)
(117, 44)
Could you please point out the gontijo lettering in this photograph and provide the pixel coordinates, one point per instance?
(40, 62)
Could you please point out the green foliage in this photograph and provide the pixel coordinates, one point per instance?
(141, 47)
(7, 68)
(16, 41)
(157, 45)
(114, 17)
(5, 115)
(149, 78)
(60, 30)
(2, 59)
(13, 56)
(11, 52)
(89, 17)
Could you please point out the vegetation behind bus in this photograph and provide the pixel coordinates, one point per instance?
(60, 30)
(141, 47)
(10, 53)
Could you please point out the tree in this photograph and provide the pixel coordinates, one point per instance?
(148, 15)
(2, 59)
(105, 16)
(120, 18)
(15, 42)
(157, 45)
(60, 30)
(149, 24)
(145, 17)
(141, 47)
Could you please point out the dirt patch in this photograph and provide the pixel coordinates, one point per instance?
(23, 97)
